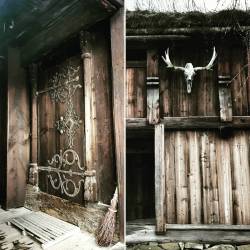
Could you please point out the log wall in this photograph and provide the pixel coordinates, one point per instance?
(207, 178)
(207, 175)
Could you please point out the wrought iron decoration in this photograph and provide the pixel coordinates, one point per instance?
(64, 86)
(189, 70)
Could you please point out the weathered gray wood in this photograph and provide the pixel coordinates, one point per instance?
(90, 188)
(159, 178)
(146, 38)
(225, 98)
(182, 31)
(202, 233)
(118, 84)
(18, 121)
(192, 122)
(153, 91)
(136, 64)
(33, 173)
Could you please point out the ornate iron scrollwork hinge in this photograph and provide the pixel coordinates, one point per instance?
(60, 173)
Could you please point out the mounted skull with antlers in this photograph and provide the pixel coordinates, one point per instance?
(189, 70)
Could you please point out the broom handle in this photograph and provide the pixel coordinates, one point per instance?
(114, 201)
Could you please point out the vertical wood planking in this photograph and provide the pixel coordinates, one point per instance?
(170, 178)
(205, 170)
(214, 196)
(136, 92)
(225, 100)
(181, 178)
(241, 174)
(224, 87)
(224, 181)
(18, 154)
(194, 178)
(239, 81)
(159, 179)
(3, 127)
(153, 111)
(33, 72)
(118, 67)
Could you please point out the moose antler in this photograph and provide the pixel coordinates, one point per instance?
(166, 59)
(210, 64)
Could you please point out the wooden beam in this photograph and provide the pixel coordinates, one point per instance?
(18, 131)
(233, 234)
(81, 14)
(118, 73)
(149, 38)
(225, 98)
(181, 31)
(153, 87)
(3, 128)
(91, 153)
(33, 168)
(160, 178)
(192, 122)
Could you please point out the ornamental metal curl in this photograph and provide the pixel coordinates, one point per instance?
(64, 86)
(61, 164)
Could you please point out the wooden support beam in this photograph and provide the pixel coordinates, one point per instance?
(191, 123)
(118, 73)
(237, 234)
(159, 178)
(3, 127)
(225, 98)
(78, 15)
(91, 154)
(153, 88)
(33, 168)
(18, 135)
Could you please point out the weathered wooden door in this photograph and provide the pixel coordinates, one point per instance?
(60, 100)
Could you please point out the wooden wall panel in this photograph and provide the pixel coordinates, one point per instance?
(204, 100)
(207, 178)
(101, 77)
(136, 92)
(18, 132)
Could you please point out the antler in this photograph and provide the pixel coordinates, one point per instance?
(210, 64)
(166, 59)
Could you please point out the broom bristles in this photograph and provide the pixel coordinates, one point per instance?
(106, 231)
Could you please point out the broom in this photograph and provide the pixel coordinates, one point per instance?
(105, 232)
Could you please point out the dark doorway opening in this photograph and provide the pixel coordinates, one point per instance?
(140, 201)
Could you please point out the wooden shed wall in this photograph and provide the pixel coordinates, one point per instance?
(207, 175)
(174, 100)
(207, 178)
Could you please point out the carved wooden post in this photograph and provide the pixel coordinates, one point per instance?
(90, 185)
(153, 92)
(225, 98)
(160, 182)
(33, 167)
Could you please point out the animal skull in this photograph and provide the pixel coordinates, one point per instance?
(189, 70)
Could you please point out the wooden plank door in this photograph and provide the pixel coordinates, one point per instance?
(60, 100)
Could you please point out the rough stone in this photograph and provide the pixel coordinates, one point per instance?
(222, 247)
(146, 247)
(191, 245)
(153, 244)
(243, 247)
(182, 245)
(170, 246)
